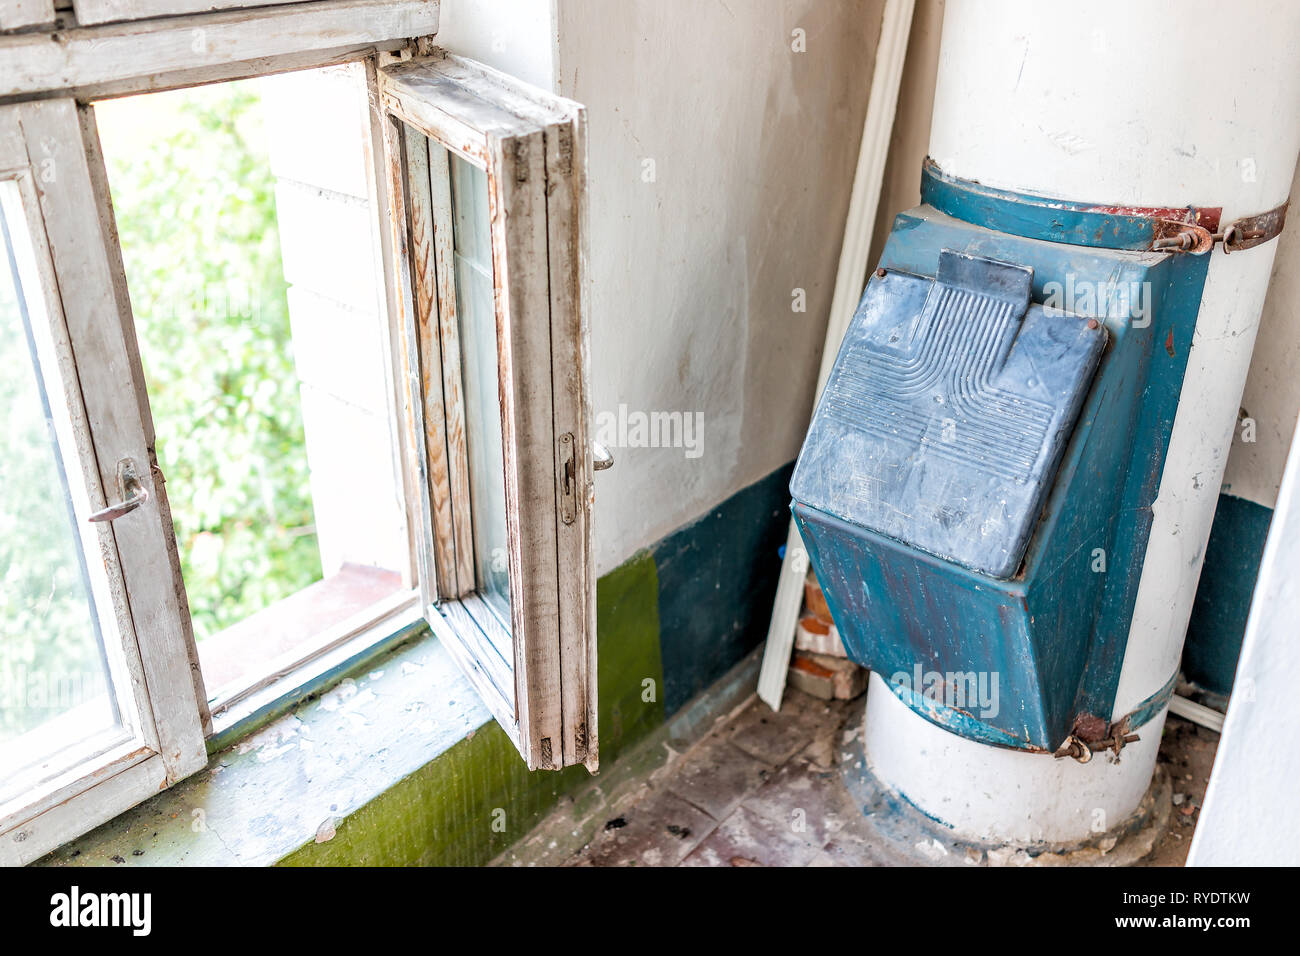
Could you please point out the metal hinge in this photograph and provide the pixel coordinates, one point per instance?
(1172, 236)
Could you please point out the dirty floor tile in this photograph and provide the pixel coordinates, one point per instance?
(659, 831)
(775, 737)
(815, 801)
(769, 789)
(747, 839)
(717, 775)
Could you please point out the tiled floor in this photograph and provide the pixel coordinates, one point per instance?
(760, 790)
(765, 789)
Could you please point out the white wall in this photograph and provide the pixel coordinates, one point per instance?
(692, 273)
(1272, 394)
(514, 36)
(1248, 816)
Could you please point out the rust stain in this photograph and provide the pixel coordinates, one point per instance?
(1089, 728)
(1206, 217)
(1169, 343)
(1254, 230)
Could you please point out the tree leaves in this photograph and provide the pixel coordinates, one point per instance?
(196, 215)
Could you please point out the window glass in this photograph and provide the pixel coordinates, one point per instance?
(55, 687)
(476, 313)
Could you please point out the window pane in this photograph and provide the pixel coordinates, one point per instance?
(476, 315)
(54, 678)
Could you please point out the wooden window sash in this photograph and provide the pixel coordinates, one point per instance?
(91, 12)
(52, 151)
(531, 146)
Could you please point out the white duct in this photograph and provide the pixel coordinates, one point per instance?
(1152, 104)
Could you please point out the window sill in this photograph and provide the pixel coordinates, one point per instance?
(293, 628)
(396, 620)
(293, 781)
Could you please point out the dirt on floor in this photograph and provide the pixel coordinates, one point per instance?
(759, 788)
(1187, 753)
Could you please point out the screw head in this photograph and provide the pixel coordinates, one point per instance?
(880, 273)
(1092, 323)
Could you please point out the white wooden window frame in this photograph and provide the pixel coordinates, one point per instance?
(91, 12)
(538, 680)
(25, 14)
(536, 167)
(47, 129)
(50, 149)
(141, 56)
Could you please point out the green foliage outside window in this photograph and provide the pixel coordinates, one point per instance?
(195, 208)
(195, 205)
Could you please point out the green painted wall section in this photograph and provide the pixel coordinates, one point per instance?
(478, 797)
(447, 787)
(628, 655)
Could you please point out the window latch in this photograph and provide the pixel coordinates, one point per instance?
(132, 493)
(600, 460)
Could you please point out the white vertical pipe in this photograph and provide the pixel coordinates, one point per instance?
(1154, 104)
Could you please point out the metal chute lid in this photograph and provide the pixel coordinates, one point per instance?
(945, 415)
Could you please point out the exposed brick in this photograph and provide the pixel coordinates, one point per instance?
(814, 601)
(829, 678)
(818, 637)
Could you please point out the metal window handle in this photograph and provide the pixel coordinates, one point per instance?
(600, 457)
(133, 493)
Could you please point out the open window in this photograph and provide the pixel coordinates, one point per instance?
(268, 367)
(99, 704)
(429, 355)
(487, 180)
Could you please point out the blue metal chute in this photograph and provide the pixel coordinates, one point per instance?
(975, 488)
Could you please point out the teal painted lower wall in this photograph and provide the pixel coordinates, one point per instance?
(1218, 621)
(672, 620)
(717, 580)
